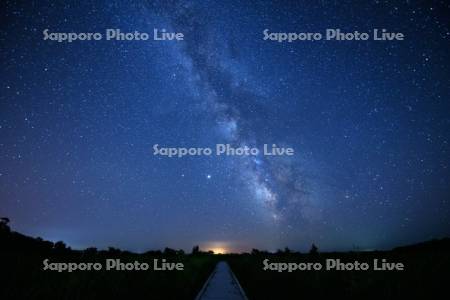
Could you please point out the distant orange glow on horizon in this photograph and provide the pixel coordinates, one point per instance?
(219, 247)
(218, 250)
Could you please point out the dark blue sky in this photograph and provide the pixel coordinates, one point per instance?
(369, 122)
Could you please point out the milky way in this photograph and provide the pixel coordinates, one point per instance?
(226, 95)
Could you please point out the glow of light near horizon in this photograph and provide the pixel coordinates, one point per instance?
(218, 250)
(219, 247)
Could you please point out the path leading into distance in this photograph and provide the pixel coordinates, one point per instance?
(221, 284)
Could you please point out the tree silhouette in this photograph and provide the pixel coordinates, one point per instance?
(255, 252)
(91, 251)
(195, 250)
(4, 224)
(169, 251)
(60, 247)
(314, 250)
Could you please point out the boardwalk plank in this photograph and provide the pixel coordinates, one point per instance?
(222, 284)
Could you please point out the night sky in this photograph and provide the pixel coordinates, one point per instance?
(369, 122)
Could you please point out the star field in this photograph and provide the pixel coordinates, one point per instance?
(369, 122)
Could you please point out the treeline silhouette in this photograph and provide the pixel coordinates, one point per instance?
(427, 267)
(14, 241)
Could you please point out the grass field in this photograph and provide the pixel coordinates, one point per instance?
(426, 274)
(25, 278)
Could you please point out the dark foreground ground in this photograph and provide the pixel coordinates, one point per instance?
(426, 274)
(23, 277)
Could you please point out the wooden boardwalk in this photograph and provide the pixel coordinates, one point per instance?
(221, 284)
